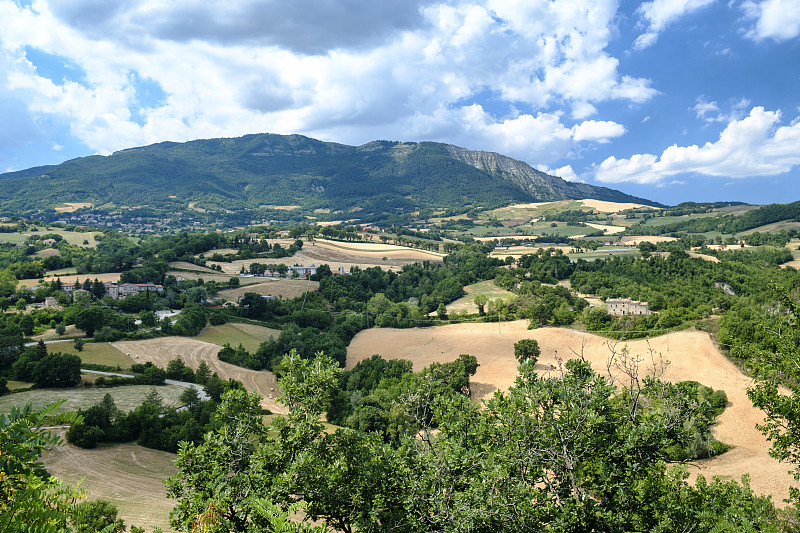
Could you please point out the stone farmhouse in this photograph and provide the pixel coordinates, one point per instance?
(626, 306)
(117, 291)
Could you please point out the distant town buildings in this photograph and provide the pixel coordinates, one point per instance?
(626, 306)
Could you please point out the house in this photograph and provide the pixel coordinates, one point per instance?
(301, 271)
(626, 306)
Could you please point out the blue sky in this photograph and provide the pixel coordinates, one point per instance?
(672, 100)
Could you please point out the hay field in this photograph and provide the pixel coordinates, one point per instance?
(70, 278)
(163, 350)
(612, 207)
(248, 335)
(279, 287)
(655, 239)
(127, 397)
(692, 356)
(610, 230)
(128, 475)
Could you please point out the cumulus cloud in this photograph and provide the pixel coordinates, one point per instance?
(600, 131)
(566, 172)
(658, 14)
(348, 71)
(750, 147)
(775, 19)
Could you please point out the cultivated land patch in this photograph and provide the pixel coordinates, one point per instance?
(612, 207)
(250, 336)
(127, 397)
(610, 230)
(130, 476)
(655, 239)
(98, 353)
(71, 277)
(278, 287)
(692, 356)
(487, 288)
(71, 207)
(163, 350)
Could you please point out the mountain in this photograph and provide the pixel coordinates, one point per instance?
(267, 175)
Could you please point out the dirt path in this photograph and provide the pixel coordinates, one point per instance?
(692, 356)
(163, 350)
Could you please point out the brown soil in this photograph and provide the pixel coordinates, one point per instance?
(163, 350)
(691, 354)
(283, 288)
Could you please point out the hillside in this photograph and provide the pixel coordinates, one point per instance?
(276, 176)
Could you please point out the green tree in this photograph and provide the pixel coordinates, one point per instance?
(31, 499)
(776, 369)
(527, 350)
(480, 301)
(89, 320)
(97, 515)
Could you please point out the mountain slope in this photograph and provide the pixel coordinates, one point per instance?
(256, 174)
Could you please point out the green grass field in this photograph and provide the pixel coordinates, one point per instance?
(101, 353)
(127, 397)
(487, 288)
(250, 336)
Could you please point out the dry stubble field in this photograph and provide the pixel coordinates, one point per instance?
(691, 356)
(130, 476)
(163, 350)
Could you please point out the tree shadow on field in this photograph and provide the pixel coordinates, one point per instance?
(480, 391)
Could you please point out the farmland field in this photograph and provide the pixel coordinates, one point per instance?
(126, 397)
(248, 335)
(163, 350)
(100, 353)
(128, 475)
(467, 303)
(691, 356)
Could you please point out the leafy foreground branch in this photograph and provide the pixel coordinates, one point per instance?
(569, 452)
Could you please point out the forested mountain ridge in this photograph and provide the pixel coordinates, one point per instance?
(259, 173)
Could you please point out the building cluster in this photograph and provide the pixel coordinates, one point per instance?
(626, 306)
(117, 291)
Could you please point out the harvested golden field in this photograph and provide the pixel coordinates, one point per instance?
(692, 356)
(70, 278)
(611, 207)
(610, 230)
(655, 239)
(128, 475)
(278, 287)
(71, 207)
(163, 350)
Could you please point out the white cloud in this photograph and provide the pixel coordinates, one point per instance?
(710, 111)
(349, 72)
(750, 147)
(566, 172)
(775, 19)
(600, 131)
(658, 14)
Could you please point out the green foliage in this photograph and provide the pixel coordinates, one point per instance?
(30, 499)
(382, 179)
(527, 350)
(564, 453)
(97, 515)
